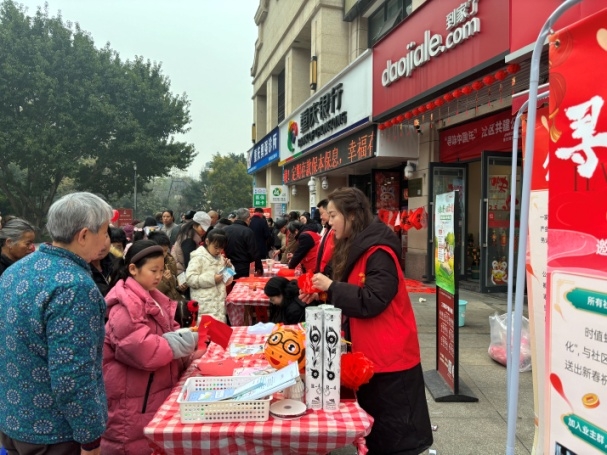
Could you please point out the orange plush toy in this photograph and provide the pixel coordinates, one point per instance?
(286, 345)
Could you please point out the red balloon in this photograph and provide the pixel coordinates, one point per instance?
(488, 80)
(448, 97)
(467, 90)
(439, 102)
(456, 93)
(115, 215)
(501, 75)
(408, 115)
(513, 68)
(477, 85)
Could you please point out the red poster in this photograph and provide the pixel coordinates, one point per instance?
(577, 239)
(125, 216)
(466, 142)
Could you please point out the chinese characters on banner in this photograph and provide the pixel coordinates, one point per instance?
(577, 240)
(356, 147)
(263, 152)
(466, 142)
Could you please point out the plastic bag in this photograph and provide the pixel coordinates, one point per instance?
(497, 348)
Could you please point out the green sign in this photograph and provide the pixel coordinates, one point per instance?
(259, 200)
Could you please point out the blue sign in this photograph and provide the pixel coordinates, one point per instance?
(264, 152)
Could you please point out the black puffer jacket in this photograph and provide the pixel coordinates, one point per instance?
(241, 248)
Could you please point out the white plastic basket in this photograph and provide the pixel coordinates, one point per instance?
(221, 411)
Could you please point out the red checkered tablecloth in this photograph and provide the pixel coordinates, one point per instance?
(274, 270)
(317, 432)
(241, 296)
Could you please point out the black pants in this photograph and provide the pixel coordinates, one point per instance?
(397, 403)
(14, 447)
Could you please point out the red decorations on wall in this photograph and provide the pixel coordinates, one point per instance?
(400, 118)
(467, 90)
(408, 115)
(488, 80)
(415, 112)
(421, 109)
(448, 97)
(439, 101)
(387, 124)
(394, 121)
(430, 105)
(381, 127)
(501, 75)
(457, 93)
(477, 85)
(513, 68)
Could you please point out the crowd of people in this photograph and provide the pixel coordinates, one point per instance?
(88, 322)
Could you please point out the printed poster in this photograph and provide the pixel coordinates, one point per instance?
(444, 233)
(577, 239)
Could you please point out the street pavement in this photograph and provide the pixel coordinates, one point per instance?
(481, 427)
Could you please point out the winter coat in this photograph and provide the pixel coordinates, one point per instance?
(5, 263)
(262, 233)
(138, 365)
(200, 277)
(102, 277)
(182, 249)
(308, 240)
(292, 310)
(241, 247)
(171, 231)
(168, 286)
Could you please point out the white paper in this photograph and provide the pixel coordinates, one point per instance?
(181, 279)
(314, 366)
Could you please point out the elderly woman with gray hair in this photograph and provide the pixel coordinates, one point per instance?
(16, 241)
(53, 323)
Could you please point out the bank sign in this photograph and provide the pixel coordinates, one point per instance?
(439, 42)
(263, 152)
(342, 104)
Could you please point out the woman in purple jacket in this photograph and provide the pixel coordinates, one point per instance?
(144, 353)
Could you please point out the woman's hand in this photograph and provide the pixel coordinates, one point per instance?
(167, 275)
(183, 287)
(308, 298)
(322, 282)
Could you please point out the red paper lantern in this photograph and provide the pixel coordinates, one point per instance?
(408, 115)
(430, 105)
(394, 121)
(415, 112)
(381, 126)
(421, 109)
(387, 124)
(488, 80)
(477, 85)
(439, 102)
(513, 68)
(467, 90)
(448, 97)
(501, 75)
(456, 93)
(400, 118)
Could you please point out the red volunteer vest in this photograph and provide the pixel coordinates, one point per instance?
(309, 260)
(390, 338)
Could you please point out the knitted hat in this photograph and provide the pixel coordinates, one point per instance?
(275, 286)
(128, 230)
(203, 219)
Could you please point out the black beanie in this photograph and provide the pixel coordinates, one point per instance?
(275, 286)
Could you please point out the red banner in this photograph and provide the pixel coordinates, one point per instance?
(440, 41)
(466, 142)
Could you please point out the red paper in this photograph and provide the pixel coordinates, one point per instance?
(223, 367)
(304, 282)
(218, 331)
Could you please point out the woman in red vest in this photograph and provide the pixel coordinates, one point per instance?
(368, 285)
(307, 238)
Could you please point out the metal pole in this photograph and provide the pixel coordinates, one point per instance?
(135, 196)
(524, 222)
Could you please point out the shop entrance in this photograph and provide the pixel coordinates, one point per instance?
(484, 187)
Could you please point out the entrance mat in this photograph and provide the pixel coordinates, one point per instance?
(417, 287)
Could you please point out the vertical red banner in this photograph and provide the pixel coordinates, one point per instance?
(577, 239)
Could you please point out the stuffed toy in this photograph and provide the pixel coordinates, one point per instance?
(285, 345)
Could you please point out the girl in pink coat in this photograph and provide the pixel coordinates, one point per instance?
(144, 352)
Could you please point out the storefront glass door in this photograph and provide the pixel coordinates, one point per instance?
(497, 186)
(443, 179)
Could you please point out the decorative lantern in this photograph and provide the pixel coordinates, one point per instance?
(430, 105)
(501, 75)
(439, 102)
(467, 90)
(477, 85)
(394, 121)
(513, 68)
(421, 109)
(400, 118)
(488, 80)
(387, 124)
(448, 97)
(408, 115)
(456, 93)
(381, 127)
(415, 112)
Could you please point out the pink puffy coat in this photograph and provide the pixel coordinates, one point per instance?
(138, 366)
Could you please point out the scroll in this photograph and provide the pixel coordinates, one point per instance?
(314, 363)
(331, 358)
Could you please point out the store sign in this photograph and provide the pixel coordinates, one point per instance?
(341, 105)
(466, 142)
(263, 152)
(440, 41)
(259, 197)
(357, 147)
(279, 194)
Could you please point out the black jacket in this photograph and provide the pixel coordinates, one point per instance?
(292, 310)
(240, 248)
(5, 263)
(102, 278)
(304, 244)
(262, 233)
